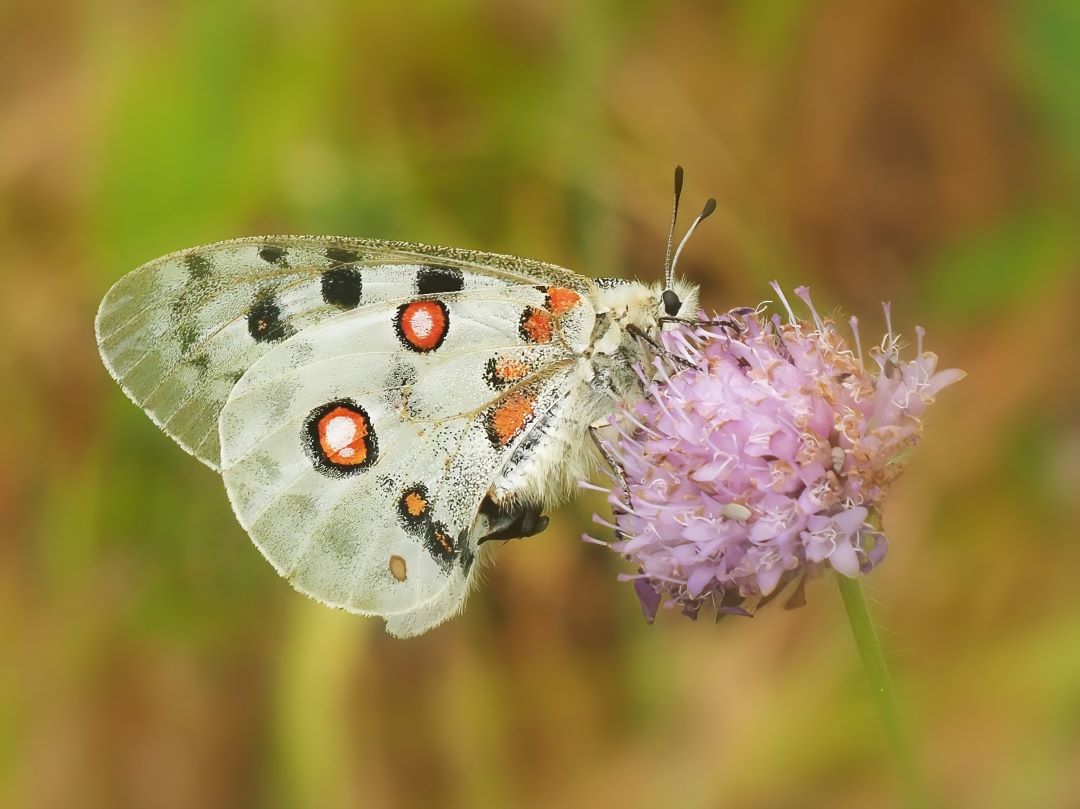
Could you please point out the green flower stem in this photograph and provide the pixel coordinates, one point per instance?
(877, 676)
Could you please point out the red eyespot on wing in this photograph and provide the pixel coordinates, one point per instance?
(536, 325)
(339, 438)
(561, 300)
(343, 437)
(422, 325)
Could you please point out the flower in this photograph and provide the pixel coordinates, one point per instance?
(761, 454)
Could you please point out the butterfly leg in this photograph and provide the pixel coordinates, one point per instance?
(634, 331)
(728, 321)
(605, 451)
(515, 521)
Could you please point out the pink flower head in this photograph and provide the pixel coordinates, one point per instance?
(761, 454)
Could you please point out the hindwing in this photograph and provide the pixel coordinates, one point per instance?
(357, 452)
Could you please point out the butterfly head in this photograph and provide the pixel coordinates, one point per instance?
(631, 307)
(678, 300)
(640, 309)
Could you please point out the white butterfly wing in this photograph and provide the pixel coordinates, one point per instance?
(178, 332)
(357, 453)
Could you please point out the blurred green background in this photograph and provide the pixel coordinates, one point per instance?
(923, 151)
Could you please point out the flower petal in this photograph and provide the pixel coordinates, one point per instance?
(771, 450)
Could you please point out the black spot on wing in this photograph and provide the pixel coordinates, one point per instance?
(201, 363)
(266, 324)
(440, 545)
(434, 279)
(340, 255)
(343, 287)
(188, 337)
(198, 267)
(272, 254)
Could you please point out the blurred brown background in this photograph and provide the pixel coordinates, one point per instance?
(923, 151)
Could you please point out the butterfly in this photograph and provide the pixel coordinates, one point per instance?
(380, 411)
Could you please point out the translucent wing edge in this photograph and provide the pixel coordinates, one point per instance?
(397, 622)
(98, 338)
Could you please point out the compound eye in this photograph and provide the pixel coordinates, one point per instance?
(671, 301)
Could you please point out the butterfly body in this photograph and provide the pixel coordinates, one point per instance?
(378, 410)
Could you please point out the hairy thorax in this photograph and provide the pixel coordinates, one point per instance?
(546, 467)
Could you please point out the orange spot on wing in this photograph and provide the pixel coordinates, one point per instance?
(561, 300)
(507, 419)
(415, 504)
(536, 325)
(414, 507)
(510, 369)
(504, 370)
(398, 568)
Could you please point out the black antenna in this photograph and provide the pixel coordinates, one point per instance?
(668, 272)
(710, 206)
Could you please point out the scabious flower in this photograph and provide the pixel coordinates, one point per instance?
(761, 455)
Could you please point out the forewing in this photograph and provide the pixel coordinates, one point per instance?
(357, 453)
(177, 333)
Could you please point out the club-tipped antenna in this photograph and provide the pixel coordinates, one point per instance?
(710, 206)
(668, 274)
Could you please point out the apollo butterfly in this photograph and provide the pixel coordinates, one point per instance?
(380, 410)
